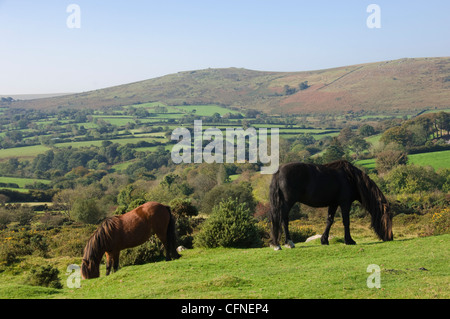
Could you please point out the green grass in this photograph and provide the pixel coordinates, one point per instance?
(23, 152)
(22, 181)
(437, 160)
(206, 110)
(410, 268)
(367, 163)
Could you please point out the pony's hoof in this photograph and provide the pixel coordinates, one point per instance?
(289, 244)
(275, 247)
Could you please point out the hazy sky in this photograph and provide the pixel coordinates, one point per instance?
(125, 41)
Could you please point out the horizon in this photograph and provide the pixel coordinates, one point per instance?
(117, 43)
(50, 94)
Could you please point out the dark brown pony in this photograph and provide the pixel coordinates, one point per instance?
(125, 231)
(333, 185)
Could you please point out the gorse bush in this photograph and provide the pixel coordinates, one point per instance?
(24, 242)
(407, 179)
(440, 221)
(151, 251)
(183, 211)
(46, 276)
(230, 225)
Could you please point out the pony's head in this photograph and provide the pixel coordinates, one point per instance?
(95, 248)
(90, 269)
(373, 200)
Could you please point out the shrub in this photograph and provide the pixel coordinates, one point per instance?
(407, 179)
(22, 243)
(46, 276)
(230, 225)
(6, 217)
(150, 251)
(8, 255)
(183, 210)
(136, 203)
(441, 221)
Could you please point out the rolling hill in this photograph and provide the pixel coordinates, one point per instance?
(405, 84)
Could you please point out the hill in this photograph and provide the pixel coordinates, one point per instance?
(405, 84)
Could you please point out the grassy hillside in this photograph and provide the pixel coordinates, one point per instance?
(412, 84)
(410, 268)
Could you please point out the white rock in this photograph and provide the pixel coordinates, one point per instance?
(313, 238)
(181, 248)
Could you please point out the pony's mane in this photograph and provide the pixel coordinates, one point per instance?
(371, 197)
(100, 240)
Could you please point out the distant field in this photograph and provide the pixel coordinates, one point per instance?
(367, 163)
(206, 110)
(374, 139)
(22, 181)
(436, 160)
(121, 141)
(23, 152)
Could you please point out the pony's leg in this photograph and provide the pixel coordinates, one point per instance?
(330, 220)
(116, 261)
(345, 209)
(162, 235)
(285, 220)
(109, 262)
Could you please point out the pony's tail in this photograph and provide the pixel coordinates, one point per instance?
(275, 209)
(171, 249)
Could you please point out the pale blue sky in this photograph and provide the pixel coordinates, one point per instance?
(127, 41)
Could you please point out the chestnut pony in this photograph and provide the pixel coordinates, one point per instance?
(125, 231)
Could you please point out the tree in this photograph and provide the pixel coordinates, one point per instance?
(303, 86)
(289, 90)
(358, 145)
(345, 136)
(64, 200)
(388, 159)
(366, 130)
(241, 192)
(87, 211)
(443, 122)
(334, 152)
(398, 134)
